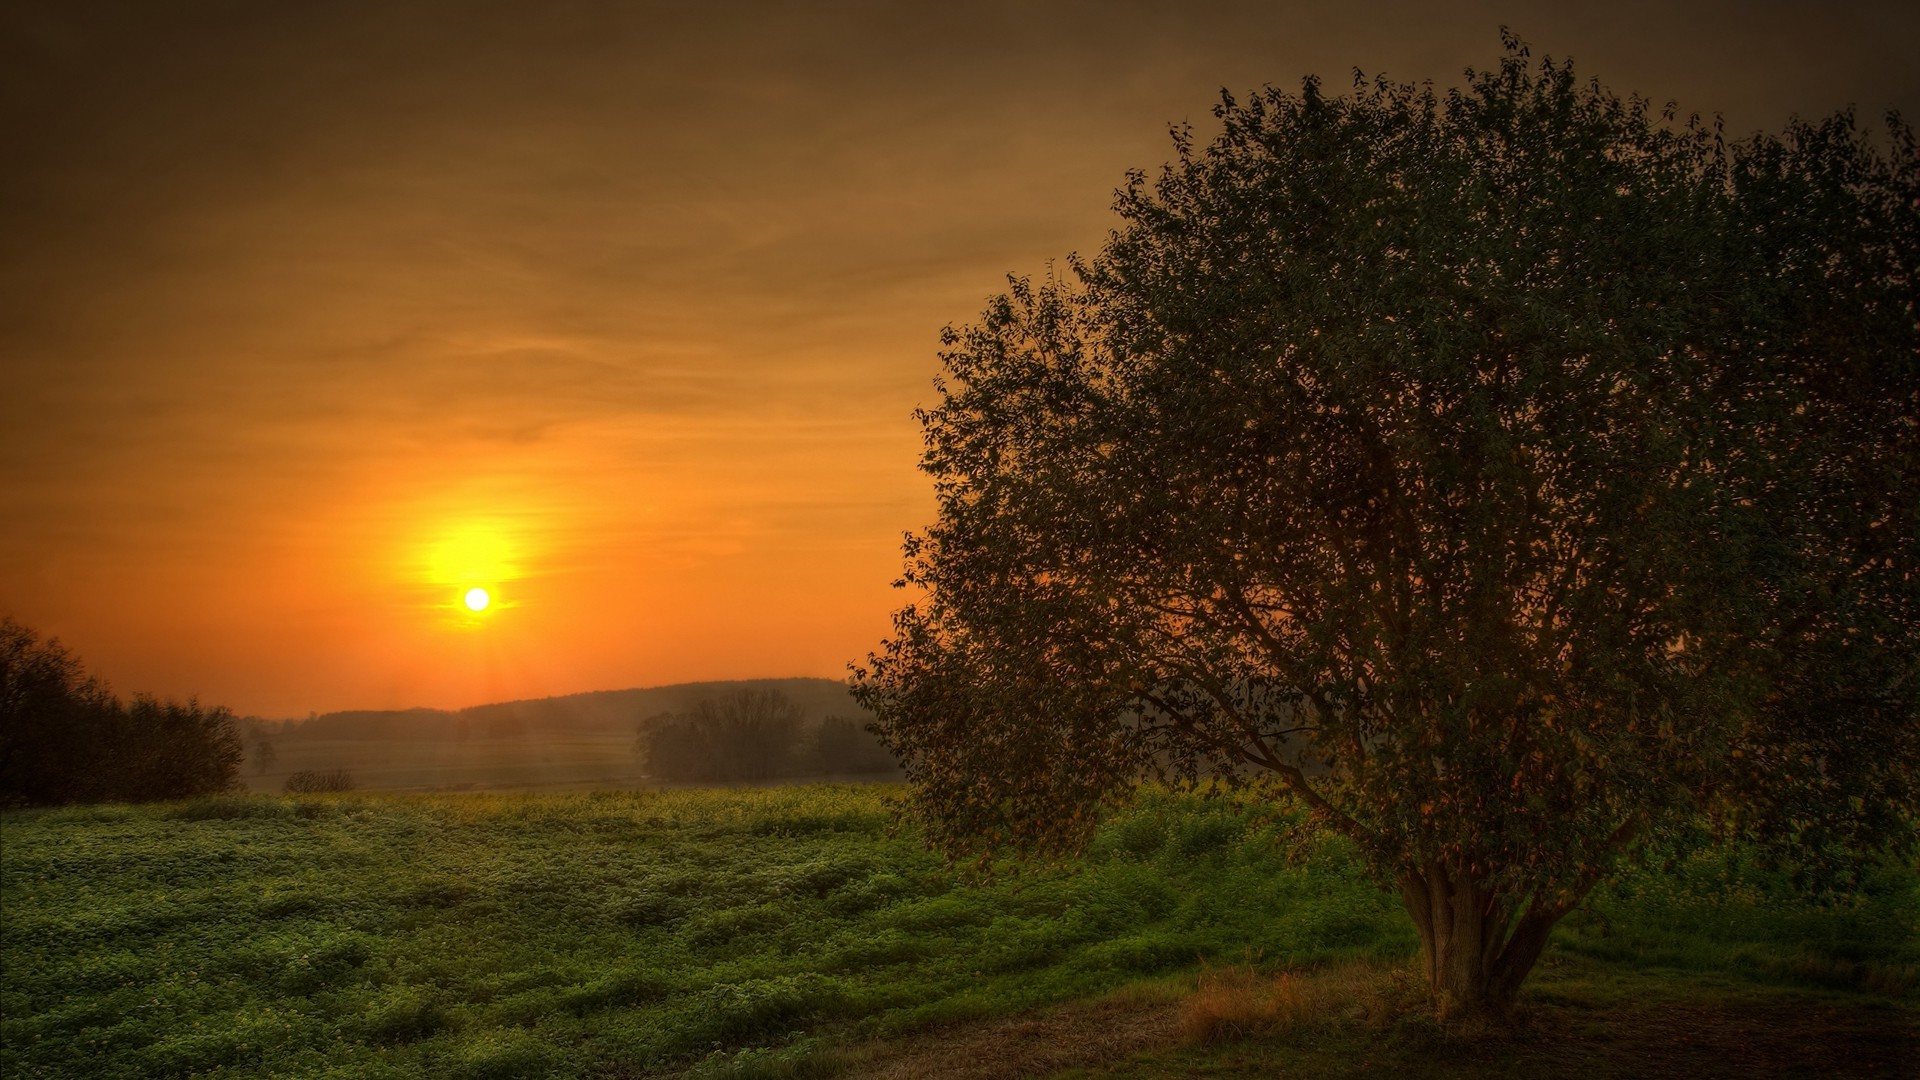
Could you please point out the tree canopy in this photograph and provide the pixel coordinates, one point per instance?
(1503, 474)
(754, 734)
(64, 737)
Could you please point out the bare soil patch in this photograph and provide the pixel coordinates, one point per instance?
(1078, 1035)
(1715, 1033)
(1740, 1038)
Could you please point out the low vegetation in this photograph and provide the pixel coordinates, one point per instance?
(313, 782)
(752, 933)
(1239, 1001)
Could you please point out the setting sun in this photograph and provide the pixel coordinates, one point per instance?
(477, 600)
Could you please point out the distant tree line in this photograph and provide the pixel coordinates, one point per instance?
(64, 737)
(747, 735)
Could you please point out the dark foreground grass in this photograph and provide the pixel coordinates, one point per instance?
(1584, 1018)
(612, 934)
(744, 933)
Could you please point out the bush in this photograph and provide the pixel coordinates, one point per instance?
(1238, 1002)
(319, 781)
(170, 750)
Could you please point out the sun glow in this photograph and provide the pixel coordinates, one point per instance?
(464, 567)
(470, 553)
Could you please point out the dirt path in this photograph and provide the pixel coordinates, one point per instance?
(1720, 1037)
(1077, 1035)
(1731, 1039)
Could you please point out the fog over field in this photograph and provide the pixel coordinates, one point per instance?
(574, 742)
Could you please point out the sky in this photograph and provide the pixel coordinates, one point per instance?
(315, 316)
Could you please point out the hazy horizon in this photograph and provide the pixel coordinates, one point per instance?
(478, 705)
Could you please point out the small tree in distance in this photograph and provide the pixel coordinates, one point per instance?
(260, 751)
(318, 781)
(1503, 475)
(845, 745)
(744, 734)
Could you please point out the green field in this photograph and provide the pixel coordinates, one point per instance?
(753, 932)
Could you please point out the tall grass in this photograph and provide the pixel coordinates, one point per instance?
(1240, 1000)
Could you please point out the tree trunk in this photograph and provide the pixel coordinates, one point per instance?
(1474, 951)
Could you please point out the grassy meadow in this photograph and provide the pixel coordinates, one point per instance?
(748, 932)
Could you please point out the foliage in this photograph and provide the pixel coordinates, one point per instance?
(753, 734)
(739, 735)
(48, 710)
(637, 933)
(65, 738)
(1505, 475)
(844, 745)
(318, 781)
(259, 747)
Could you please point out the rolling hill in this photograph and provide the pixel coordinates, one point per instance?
(572, 742)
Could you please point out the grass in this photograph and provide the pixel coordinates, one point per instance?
(765, 932)
(1239, 1001)
(488, 935)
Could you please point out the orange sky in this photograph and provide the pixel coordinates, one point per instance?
(311, 316)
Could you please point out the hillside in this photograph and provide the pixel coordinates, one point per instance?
(575, 742)
(595, 711)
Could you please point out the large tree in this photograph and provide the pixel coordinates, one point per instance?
(1505, 475)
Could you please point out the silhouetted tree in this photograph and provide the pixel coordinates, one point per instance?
(741, 735)
(318, 781)
(170, 750)
(51, 717)
(842, 745)
(65, 738)
(262, 752)
(1504, 476)
(257, 741)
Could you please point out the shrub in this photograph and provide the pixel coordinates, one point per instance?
(1237, 1002)
(317, 781)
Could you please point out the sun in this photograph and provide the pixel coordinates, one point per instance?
(476, 599)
